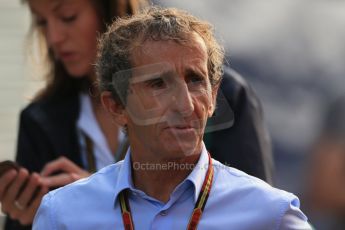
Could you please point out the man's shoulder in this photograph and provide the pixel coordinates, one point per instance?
(100, 184)
(264, 205)
(91, 197)
(232, 182)
(104, 176)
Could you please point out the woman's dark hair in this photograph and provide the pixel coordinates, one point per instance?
(58, 81)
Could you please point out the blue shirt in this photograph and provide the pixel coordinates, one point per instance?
(237, 201)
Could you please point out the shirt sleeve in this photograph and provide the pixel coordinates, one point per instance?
(44, 219)
(294, 218)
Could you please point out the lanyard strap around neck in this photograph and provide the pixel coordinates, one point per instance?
(90, 156)
(198, 208)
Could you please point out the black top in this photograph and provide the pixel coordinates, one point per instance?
(48, 130)
(246, 144)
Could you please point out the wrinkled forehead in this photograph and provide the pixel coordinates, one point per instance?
(164, 70)
(150, 71)
(175, 51)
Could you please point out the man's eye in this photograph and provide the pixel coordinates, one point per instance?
(196, 80)
(157, 83)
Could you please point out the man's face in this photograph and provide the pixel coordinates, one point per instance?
(170, 98)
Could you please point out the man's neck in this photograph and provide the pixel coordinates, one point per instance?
(159, 178)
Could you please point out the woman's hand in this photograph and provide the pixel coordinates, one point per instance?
(21, 195)
(70, 172)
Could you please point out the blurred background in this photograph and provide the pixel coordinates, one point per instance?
(291, 51)
(17, 83)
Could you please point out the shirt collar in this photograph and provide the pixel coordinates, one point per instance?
(196, 177)
(124, 180)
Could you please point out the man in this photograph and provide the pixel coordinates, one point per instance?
(159, 72)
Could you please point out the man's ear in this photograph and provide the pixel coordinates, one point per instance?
(116, 110)
(212, 107)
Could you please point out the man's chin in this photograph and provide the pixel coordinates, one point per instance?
(182, 149)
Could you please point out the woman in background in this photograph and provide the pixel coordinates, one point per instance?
(64, 133)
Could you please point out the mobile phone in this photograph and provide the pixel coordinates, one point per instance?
(7, 165)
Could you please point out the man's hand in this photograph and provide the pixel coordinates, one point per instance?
(21, 194)
(70, 172)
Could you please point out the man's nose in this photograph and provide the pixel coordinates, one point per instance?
(183, 101)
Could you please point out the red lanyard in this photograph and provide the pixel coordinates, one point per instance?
(198, 208)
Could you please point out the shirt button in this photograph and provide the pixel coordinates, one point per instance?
(163, 213)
